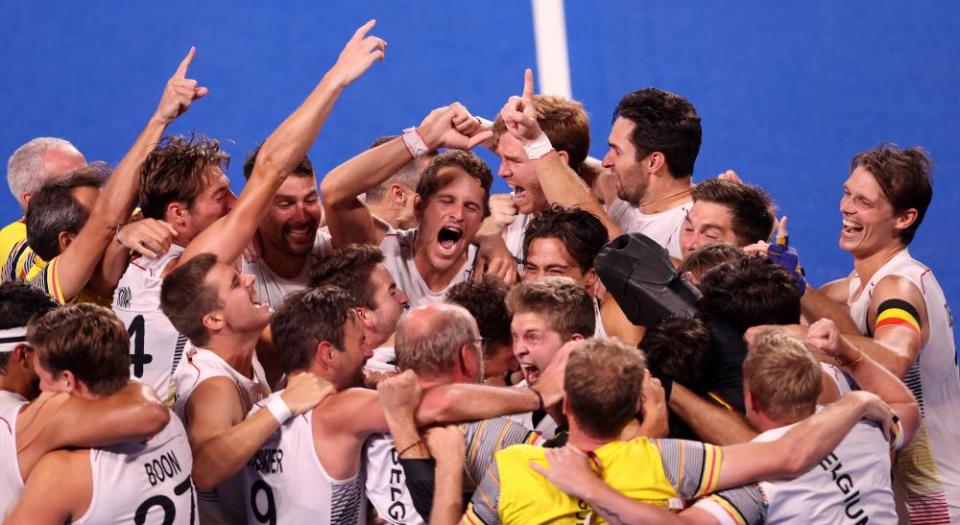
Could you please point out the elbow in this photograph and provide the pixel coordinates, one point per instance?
(153, 417)
(202, 478)
(330, 192)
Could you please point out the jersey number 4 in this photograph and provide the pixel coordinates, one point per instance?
(138, 358)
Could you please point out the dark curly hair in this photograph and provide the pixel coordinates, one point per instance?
(750, 292)
(678, 348)
(581, 232)
(19, 303)
(487, 303)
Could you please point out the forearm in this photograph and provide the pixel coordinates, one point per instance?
(352, 178)
(406, 437)
(817, 305)
(133, 414)
(618, 509)
(466, 402)
(873, 377)
(561, 185)
(892, 359)
(712, 423)
(119, 195)
(108, 273)
(448, 494)
(221, 456)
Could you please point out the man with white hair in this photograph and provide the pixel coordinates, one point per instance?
(28, 169)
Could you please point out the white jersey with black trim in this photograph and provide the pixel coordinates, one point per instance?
(598, 330)
(11, 484)
(850, 485)
(156, 347)
(272, 289)
(145, 483)
(397, 247)
(927, 470)
(663, 227)
(225, 503)
(284, 481)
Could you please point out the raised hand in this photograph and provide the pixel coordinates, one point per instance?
(180, 91)
(438, 129)
(446, 444)
(360, 52)
(550, 383)
(502, 209)
(148, 237)
(876, 409)
(400, 394)
(305, 391)
(519, 115)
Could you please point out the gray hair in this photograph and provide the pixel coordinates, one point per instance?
(408, 175)
(26, 172)
(431, 347)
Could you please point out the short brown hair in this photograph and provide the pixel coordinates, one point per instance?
(904, 177)
(701, 261)
(185, 298)
(487, 303)
(785, 379)
(54, 209)
(306, 318)
(435, 351)
(178, 170)
(567, 306)
(752, 208)
(349, 268)
(565, 123)
(468, 161)
(86, 339)
(603, 380)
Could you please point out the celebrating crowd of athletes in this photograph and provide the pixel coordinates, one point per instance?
(609, 343)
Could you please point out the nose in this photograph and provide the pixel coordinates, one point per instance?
(248, 280)
(505, 172)
(607, 161)
(402, 298)
(846, 205)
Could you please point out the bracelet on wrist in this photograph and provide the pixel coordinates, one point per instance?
(408, 447)
(414, 143)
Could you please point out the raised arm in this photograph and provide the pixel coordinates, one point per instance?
(348, 218)
(222, 440)
(116, 201)
(559, 182)
(284, 150)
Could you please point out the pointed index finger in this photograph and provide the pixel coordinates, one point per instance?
(364, 29)
(185, 63)
(528, 84)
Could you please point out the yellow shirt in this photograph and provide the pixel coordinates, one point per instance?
(665, 473)
(13, 250)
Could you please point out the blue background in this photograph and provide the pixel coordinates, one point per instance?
(788, 92)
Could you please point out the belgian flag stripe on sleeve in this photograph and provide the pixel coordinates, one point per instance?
(897, 312)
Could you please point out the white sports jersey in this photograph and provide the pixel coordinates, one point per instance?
(546, 427)
(598, 330)
(200, 365)
(284, 481)
(397, 248)
(272, 289)
(927, 470)
(384, 360)
(156, 347)
(663, 227)
(11, 484)
(144, 482)
(386, 482)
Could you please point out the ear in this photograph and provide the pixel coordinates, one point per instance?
(577, 337)
(63, 240)
(590, 279)
(325, 354)
(214, 321)
(176, 213)
(470, 360)
(565, 407)
(688, 276)
(25, 197)
(398, 195)
(564, 155)
(655, 162)
(68, 381)
(906, 219)
(21, 357)
(417, 208)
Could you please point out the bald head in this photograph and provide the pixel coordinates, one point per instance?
(430, 339)
(35, 162)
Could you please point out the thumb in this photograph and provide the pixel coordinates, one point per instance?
(544, 471)
(479, 138)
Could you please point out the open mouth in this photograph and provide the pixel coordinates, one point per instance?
(300, 232)
(530, 372)
(519, 193)
(448, 237)
(851, 228)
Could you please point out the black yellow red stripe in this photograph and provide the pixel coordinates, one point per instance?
(897, 312)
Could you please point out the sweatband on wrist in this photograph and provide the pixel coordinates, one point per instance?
(414, 143)
(539, 147)
(10, 338)
(485, 124)
(898, 312)
(279, 409)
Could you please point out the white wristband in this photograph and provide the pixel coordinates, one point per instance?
(539, 147)
(414, 143)
(485, 125)
(279, 409)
